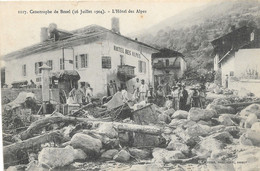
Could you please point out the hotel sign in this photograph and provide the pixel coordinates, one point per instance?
(126, 51)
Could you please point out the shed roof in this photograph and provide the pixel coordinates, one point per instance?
(167, 53)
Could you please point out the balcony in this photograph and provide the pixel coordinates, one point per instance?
(125, 72)
(161, 65)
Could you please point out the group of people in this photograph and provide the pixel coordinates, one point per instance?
(80, 95)
(141, 91)
(179, 98)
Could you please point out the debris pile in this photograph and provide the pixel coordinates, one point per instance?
(220, 137)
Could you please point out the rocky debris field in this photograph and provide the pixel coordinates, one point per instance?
(220, 137)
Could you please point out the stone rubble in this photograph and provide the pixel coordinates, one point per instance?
(216, 138)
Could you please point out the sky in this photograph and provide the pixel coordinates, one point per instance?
(20, 30)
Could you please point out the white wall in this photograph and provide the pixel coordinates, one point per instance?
(14, 67)
(226, 67)
(216, 65)
(93, 73)
(247, 59)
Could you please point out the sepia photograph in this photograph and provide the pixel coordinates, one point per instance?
(114, 85)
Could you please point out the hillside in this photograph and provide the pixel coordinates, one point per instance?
(190, 32)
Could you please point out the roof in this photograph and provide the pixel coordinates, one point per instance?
(167, 53)
(240, 38)
(77, 37)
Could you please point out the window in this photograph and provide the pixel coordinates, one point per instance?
(49, 63)
(62, 65)
(84, 60)
(128, 52)
(37, 67)
(106, 62)
(142, 66)
(76, 62)
(122, 60)
(24, 70)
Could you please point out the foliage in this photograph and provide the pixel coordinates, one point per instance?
(194, 41)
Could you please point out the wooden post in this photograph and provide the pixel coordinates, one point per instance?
(45, 86)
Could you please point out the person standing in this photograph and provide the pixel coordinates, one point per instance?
(136, 95)
(143, 91)
(83, 89)
(183, 98)
(115, 86)
(175, 97)
(111, 88)
(89, 93)
(77, 94)
(160, 96)
(226, 81)
(137, 84)
(125, 98)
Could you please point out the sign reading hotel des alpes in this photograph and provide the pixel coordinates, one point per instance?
(126, 51)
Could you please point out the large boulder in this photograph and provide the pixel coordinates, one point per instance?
(226, 120)
(217, 90)
(250, 138)
(256, 127)
(224, 137)
(108, 130)
(250, 120)
(197, 130)
(109, 154)
(169, 112)
(173, 155)
(122, 156)
(248, 160)
(162, 155)
(59, 157)
(253, 108)
(180, 114)
(233, 130)
(158, 155)
(189, 140)
(178, 146)
(197, 114)
(164, 118)
(220, 109)
(205, 147)
(91, 146)
(178, 122)
(139, 153)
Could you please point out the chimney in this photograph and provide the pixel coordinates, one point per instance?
(44, 34)
(115, 25)
(54, 34)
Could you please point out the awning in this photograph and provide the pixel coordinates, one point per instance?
(65, 75)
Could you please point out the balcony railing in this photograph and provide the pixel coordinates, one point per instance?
(125, 72)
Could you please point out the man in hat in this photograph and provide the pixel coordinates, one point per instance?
(195, 97)
(183, 98)
(175, 97)
(160, 96)
(143, 91)
(137, 84)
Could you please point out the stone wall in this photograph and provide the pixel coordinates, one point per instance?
(249, 84)
(12, 93)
